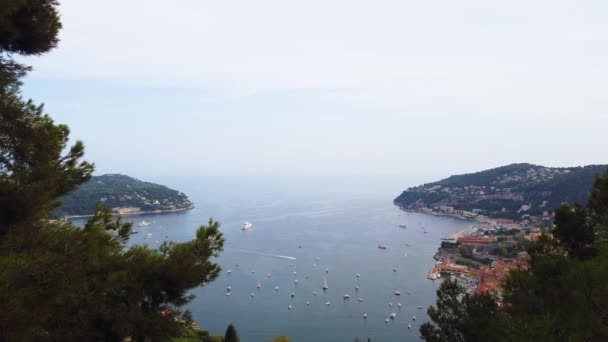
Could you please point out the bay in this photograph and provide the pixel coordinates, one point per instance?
(291, 229)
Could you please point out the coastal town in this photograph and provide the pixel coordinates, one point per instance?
(481, 256)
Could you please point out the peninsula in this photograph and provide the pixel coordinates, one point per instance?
(524, 193)
(124, 195)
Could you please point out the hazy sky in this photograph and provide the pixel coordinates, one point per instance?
(408, 90)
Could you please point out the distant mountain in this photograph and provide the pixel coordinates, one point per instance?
(125, 195)
(513, 191)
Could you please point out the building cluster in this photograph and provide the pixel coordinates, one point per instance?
(491, 277)
(481, 256)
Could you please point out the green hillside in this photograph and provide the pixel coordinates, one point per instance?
(122, 194)
(501, 192)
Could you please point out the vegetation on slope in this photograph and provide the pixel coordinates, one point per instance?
(120, 191)
(501, 192)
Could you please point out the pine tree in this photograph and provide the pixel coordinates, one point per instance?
(231, 334)
(59, 282)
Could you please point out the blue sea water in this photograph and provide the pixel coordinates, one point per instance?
(290, 230)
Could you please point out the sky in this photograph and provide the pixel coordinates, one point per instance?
(389, 92)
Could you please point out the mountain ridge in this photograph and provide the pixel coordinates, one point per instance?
(515, 191)
(125, 195)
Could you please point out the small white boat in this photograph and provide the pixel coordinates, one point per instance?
(295, 281)
(149, 234)
(414, 317)
(356, 287)
(316, 258)
(252, 272)
(314, 265)
(246, 226)
(360, 299)
(251, 294)
(259, 285)
(357, 275)
(289, 307)
(397, 293)
(390, 304)
(227, 293)
(229, 271)
(268, 275)
(364, 316)
(386, 320)
(307, 303)
(399, 305)
(327, 270)
(276, 288)
(346, 296)
(294, 272)
(144, 223)
(409, 326)
(292, 295)
(327, 303)
(228, 289)
(314, 293)
(325, 286)
(393, 315)
(382, 246)
(419, 307)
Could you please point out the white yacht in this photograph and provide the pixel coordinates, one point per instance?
(246, 226)
(325, 286)
(144, 223)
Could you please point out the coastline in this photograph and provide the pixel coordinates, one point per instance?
(152, 212)
(441, 214)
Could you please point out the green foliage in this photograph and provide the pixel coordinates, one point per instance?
(447, 244)
(189, 334)
(86, 286)
(231, 334)
(281, 339)
(121, 191)
(459, 316)
(28, 27)
(567, 187)
(465, 251)
(59, 282)
(34, 170)
(573, 231)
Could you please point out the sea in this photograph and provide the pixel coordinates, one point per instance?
(312, 236)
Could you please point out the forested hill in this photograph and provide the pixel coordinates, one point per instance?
(513, 191)
(125, 195)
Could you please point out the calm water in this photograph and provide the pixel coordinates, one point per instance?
(289, 231)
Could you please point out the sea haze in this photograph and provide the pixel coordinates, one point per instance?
(291, 229)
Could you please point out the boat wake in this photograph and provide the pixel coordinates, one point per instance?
(262, 254)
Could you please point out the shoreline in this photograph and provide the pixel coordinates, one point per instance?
(153, 212)
(441, 214)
